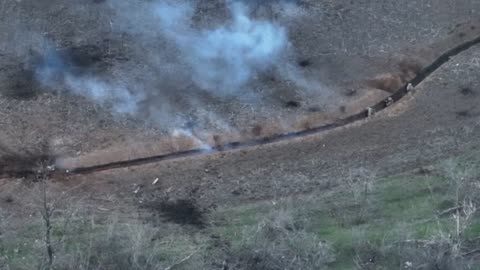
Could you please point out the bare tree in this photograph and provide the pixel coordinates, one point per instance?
(460, 180)
(47, 209)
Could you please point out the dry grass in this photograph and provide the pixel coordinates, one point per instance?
(398, 223)
(280, 242)
(183, 140)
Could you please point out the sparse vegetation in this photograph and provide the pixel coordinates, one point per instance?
(409, 221)
(281, 242)
(88, 245)
(212, 135)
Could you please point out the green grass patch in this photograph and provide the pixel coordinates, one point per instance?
(407, 201)
(473, 230)
(84, 245)
(355, 221)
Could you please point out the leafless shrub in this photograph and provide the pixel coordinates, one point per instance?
(47, 210)
(400, 251)
(463, 193)
(446, 249)
(125, 246)
(70, 236)
(360, 185)
(462, 180)
(56, 209)
(434, 254)
(278, 242)
(72, 239)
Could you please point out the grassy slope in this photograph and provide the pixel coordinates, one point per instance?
(360, 221)
(403, 206)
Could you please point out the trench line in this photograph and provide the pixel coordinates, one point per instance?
(396, 96)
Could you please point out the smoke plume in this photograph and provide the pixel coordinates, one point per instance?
(226, 58)
(55, 69)
(173, 61)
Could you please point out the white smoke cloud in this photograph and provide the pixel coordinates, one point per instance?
(169, 54)
(188, 134)
(122, 100)
(54, 70)
(225, 58)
